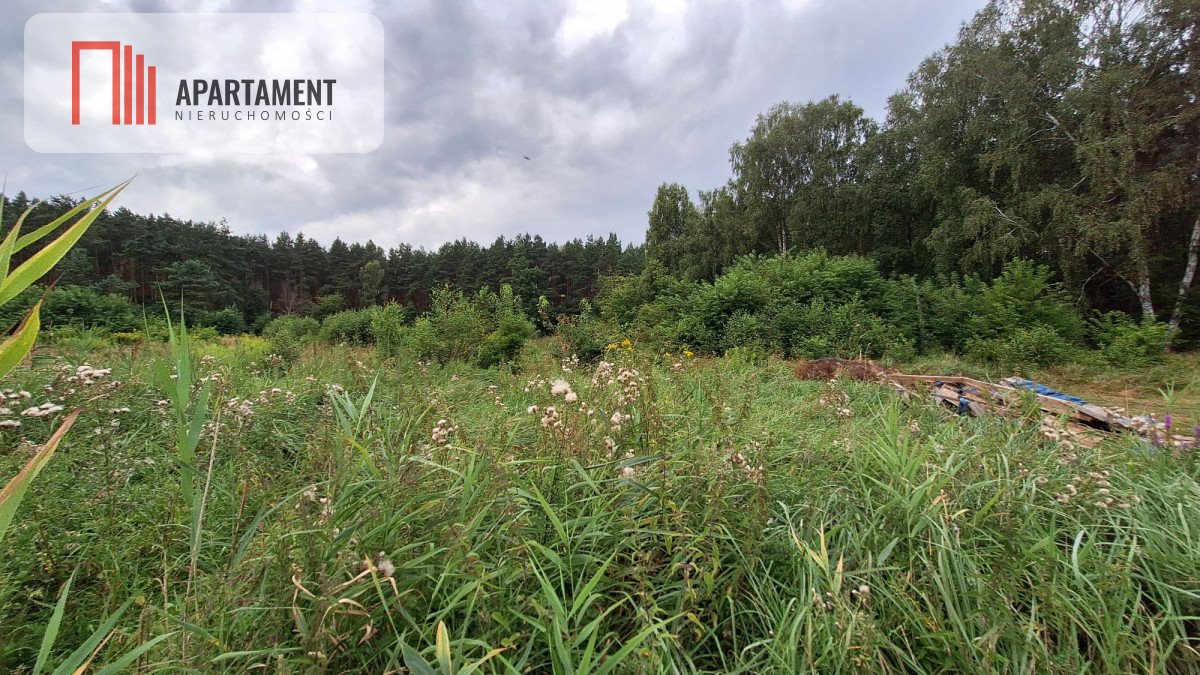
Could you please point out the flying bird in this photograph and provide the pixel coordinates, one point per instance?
(527, 158)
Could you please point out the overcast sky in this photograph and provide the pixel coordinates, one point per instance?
(608, 98)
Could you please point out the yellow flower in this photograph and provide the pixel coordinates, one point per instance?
(666, 355)
(626, 343)
(688, 353)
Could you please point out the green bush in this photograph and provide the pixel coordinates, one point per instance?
(847, 331)
(422, 340)
(387, 329)
(1039, 345)
(351, 327)
(486, 329)
(512, 328)
(326, 306)
(260, 323)
(288, 333)
(584, 336)
(744, 329)
(1022, 297)
(227, 321)
(82, 307)
(1125, 342)
(505, 343)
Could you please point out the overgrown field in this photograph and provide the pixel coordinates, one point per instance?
(643, 513)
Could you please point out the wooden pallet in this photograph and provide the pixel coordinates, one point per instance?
(981, 396)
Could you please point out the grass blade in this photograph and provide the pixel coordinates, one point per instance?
(86, 651)
(18, 345)
(125, 661)
(45, 259)
(52, 627)
(14, 491)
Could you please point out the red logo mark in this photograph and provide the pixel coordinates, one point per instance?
(143, 85)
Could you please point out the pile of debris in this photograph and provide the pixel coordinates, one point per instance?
(1065, 416)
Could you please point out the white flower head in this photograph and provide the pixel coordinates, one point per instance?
(560, 388)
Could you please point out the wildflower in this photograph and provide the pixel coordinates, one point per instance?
(571, 397)
(42, 410)
(441, 433)
(628, 472)
(560, 388)
(533, 410)
(688, 353)
(384, 565)
(9, 424)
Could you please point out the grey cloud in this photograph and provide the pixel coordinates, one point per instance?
(472, 87)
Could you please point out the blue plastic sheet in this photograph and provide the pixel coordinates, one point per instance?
(1046, 391)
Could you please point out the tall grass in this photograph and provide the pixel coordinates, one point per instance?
(714, 516)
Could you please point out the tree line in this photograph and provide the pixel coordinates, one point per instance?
(1066, 132)
(144, 258)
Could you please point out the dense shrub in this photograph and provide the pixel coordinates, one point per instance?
(1038, 345)
(1125, 342)
(1021, 298)
(351, 327)
(387, 329)
(227, 321)
(505, 343)
(755, 283)
(934, 314)
(744, 329)
(584, 336)
(82, 307)
(326, 306)
(487, 328)
(260, 323)
(812, 304)
(287, 334)
(816, 305)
